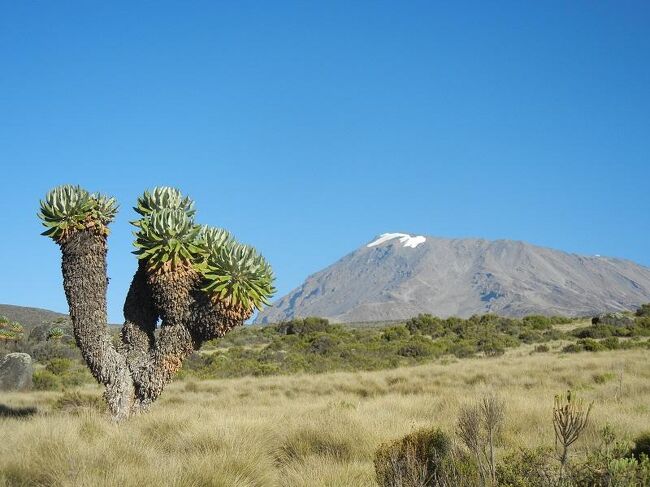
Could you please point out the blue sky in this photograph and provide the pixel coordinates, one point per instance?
(307, 128)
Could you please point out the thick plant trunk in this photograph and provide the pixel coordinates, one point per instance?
(136, 372)
(85, 283)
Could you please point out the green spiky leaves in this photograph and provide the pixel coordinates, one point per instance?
(166, 238)
(212, 240)
(105, 208)
(10, 330)
(163, 198)
(238, 275)
(69, 208)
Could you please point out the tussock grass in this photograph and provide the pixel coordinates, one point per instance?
(315, 430)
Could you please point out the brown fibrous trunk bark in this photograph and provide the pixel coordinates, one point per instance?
(136, 372)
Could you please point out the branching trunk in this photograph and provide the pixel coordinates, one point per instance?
(135, 373)
(84, 282)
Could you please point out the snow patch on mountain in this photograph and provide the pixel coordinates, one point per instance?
(406, 239)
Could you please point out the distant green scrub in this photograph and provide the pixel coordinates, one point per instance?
(313, 345)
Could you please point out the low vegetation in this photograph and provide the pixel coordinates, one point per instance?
(325, 429)
(313, 345)
(445, 402)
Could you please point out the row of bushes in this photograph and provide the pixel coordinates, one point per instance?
(611, 343)
(314, 345)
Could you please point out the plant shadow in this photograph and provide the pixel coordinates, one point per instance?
(11, 412)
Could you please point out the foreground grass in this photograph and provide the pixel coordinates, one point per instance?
(308, 430)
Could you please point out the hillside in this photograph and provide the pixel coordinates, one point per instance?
(30, 317)
(398, 276)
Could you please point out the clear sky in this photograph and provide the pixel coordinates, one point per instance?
(307, 128)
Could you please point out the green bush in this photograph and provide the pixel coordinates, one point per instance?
(595, 331)
(413, 461)
(71, 373)
(611, 343)
(44, 380)
(395, 333)
(538, 322)
(572, 348)
(590, 345)
(323, 344)
(59, 365)
(304, 326)
(644, 310)
(492, 347)
(417, 347)
(527, 468)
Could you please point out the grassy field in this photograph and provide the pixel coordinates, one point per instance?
(308, 430)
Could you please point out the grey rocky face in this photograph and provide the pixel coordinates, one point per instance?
(397, 276)
(16, 372)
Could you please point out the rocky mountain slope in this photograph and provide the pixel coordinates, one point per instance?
(397, 276)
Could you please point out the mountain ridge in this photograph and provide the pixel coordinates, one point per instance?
(30, 316)
(397, 276)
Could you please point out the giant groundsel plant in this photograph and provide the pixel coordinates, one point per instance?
(196, 280)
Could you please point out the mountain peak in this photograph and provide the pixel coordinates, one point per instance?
(404, 238)
(386, 280)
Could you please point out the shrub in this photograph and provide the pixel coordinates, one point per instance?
(304, 326)
(527, 468)
(644, 310)
(479, 427)
(572, 348)
(610, 465)
(594, 331)
(463, 349)
(591, 345)
(59, 365)
(413, 461)
(492, 347)
(323, 345)
(538, 322)
(416, 347)
(427, 324)
(611, 343)
(48, 350)
(395, 333)
(641, 445)
(44, 380)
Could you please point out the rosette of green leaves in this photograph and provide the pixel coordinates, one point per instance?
(167, 238)
(163, 198)
(11, 331)
(55, 333)
(237, 274)
(210, 240)
(64, 209)
(105, 208)
(68, 208)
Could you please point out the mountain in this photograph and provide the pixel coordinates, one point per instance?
(30, 317)
(397, 276)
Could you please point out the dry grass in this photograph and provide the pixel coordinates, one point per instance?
(312, 430)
